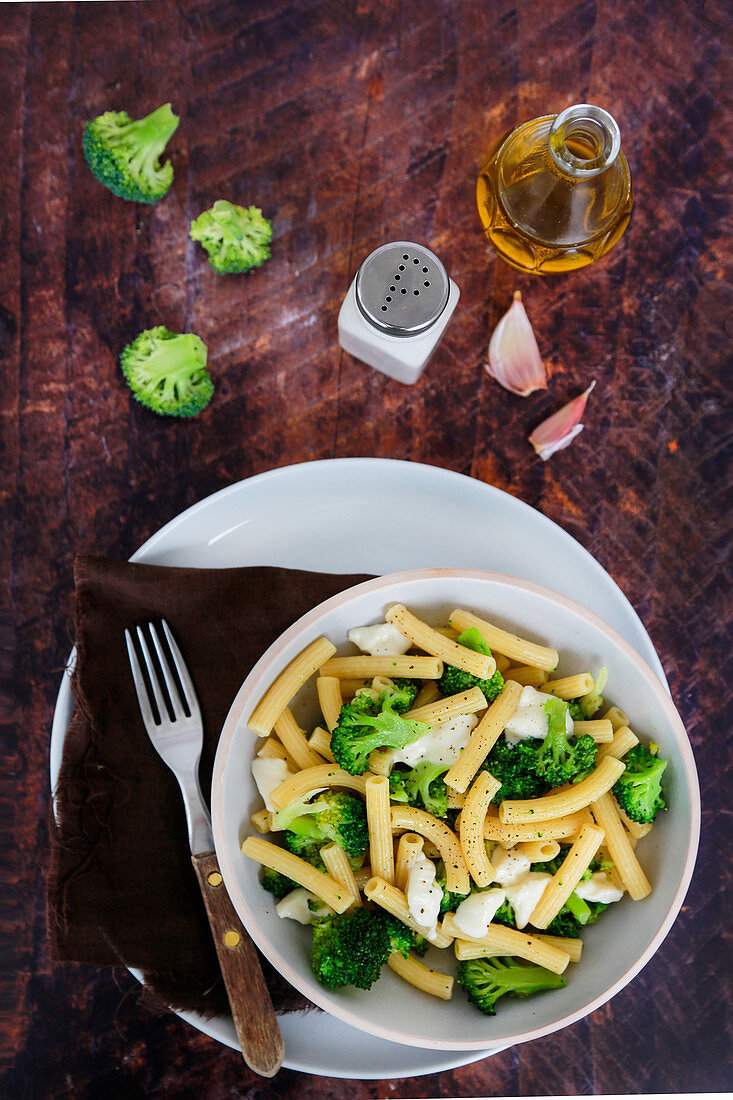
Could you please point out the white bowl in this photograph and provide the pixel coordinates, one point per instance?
(615, 948)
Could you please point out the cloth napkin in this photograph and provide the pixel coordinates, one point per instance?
(122, 889)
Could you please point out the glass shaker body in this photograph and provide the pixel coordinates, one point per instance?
(555, 194)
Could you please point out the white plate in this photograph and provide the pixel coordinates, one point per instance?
(334, 516)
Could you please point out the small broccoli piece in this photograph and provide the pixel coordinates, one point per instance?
(350, 948)
(455, 679)
(575, 710)
(592, 701)
(638, 789)
(514, 767)
(167, 372)
(305, 847)
(401, 938)
(450, 900)
(401, 695)
(236, 238)
(124, 153)
(361, 729)
(576, 913)
(486, 980)
(277, 884)
(559, 761)
(342, 819)
(421, 786)
(505, 914)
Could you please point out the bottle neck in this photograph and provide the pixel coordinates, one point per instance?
(584, 141)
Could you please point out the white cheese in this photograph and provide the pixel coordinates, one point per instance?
(598, 888)
(295, 906)
(509, 866)
(269, 772)
(524, 894)
(424, 895)
(529, 718)
(442, 744)
(384, 640)
(476, 912)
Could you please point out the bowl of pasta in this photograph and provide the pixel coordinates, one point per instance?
(455, 809)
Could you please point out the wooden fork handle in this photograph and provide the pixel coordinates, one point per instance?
(254, 1017)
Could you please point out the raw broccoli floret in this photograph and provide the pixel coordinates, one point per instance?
(421, 786)
(455, 679)
(124, 153)
(350, 948)
(486, 980)
(236, 238)
(558, 761)
(277, 884)
(363, 727)
(341, 820)
(638, 789)
(167, 372)
(514, 766)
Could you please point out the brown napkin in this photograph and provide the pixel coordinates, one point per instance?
(122, 888)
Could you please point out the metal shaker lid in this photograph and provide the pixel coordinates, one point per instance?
(402, 288)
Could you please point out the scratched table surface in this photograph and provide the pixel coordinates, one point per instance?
(352, 124)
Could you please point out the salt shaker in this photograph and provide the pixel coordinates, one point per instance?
(397, 309)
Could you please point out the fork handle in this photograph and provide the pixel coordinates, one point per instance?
(254, 1016)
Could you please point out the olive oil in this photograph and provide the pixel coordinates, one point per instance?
(555, 194)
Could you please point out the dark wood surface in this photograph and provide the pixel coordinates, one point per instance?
(352, 124)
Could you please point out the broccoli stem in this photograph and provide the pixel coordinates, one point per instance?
(169, 361)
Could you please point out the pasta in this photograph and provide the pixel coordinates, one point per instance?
(420, 634)
(421, 976)
(288, 684)
(483, 737)
(568, 875)
(440, 825)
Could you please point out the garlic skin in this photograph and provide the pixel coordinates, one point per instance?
(560, 429)
(514, 358)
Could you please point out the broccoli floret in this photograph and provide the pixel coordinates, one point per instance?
(167, 372)
(361, 729)
(401, 695)
(236, 238)
(450, 900)
(123, 153)
(558, 761)
(341, 820)
(421, 786)
(486, 980)
(277, 884)
(638, 789)
(455, 679)
(514, 767)
(505, 914)
(350, 948)
(305, 847)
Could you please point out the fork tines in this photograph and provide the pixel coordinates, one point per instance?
(179, 699)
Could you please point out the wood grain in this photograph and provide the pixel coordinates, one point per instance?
(254, 1017)
(350, 125)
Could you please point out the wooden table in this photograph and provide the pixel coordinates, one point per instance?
(351, 125)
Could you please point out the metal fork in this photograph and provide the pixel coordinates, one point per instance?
(178, 741)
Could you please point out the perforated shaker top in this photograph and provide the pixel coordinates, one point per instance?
(402, 288)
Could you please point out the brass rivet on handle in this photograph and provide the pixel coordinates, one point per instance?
(214, 878)
(231, 938)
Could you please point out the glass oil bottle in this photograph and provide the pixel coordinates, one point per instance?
(555, 194)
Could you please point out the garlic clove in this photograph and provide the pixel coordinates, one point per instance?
(514, 358)
(560, 429)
